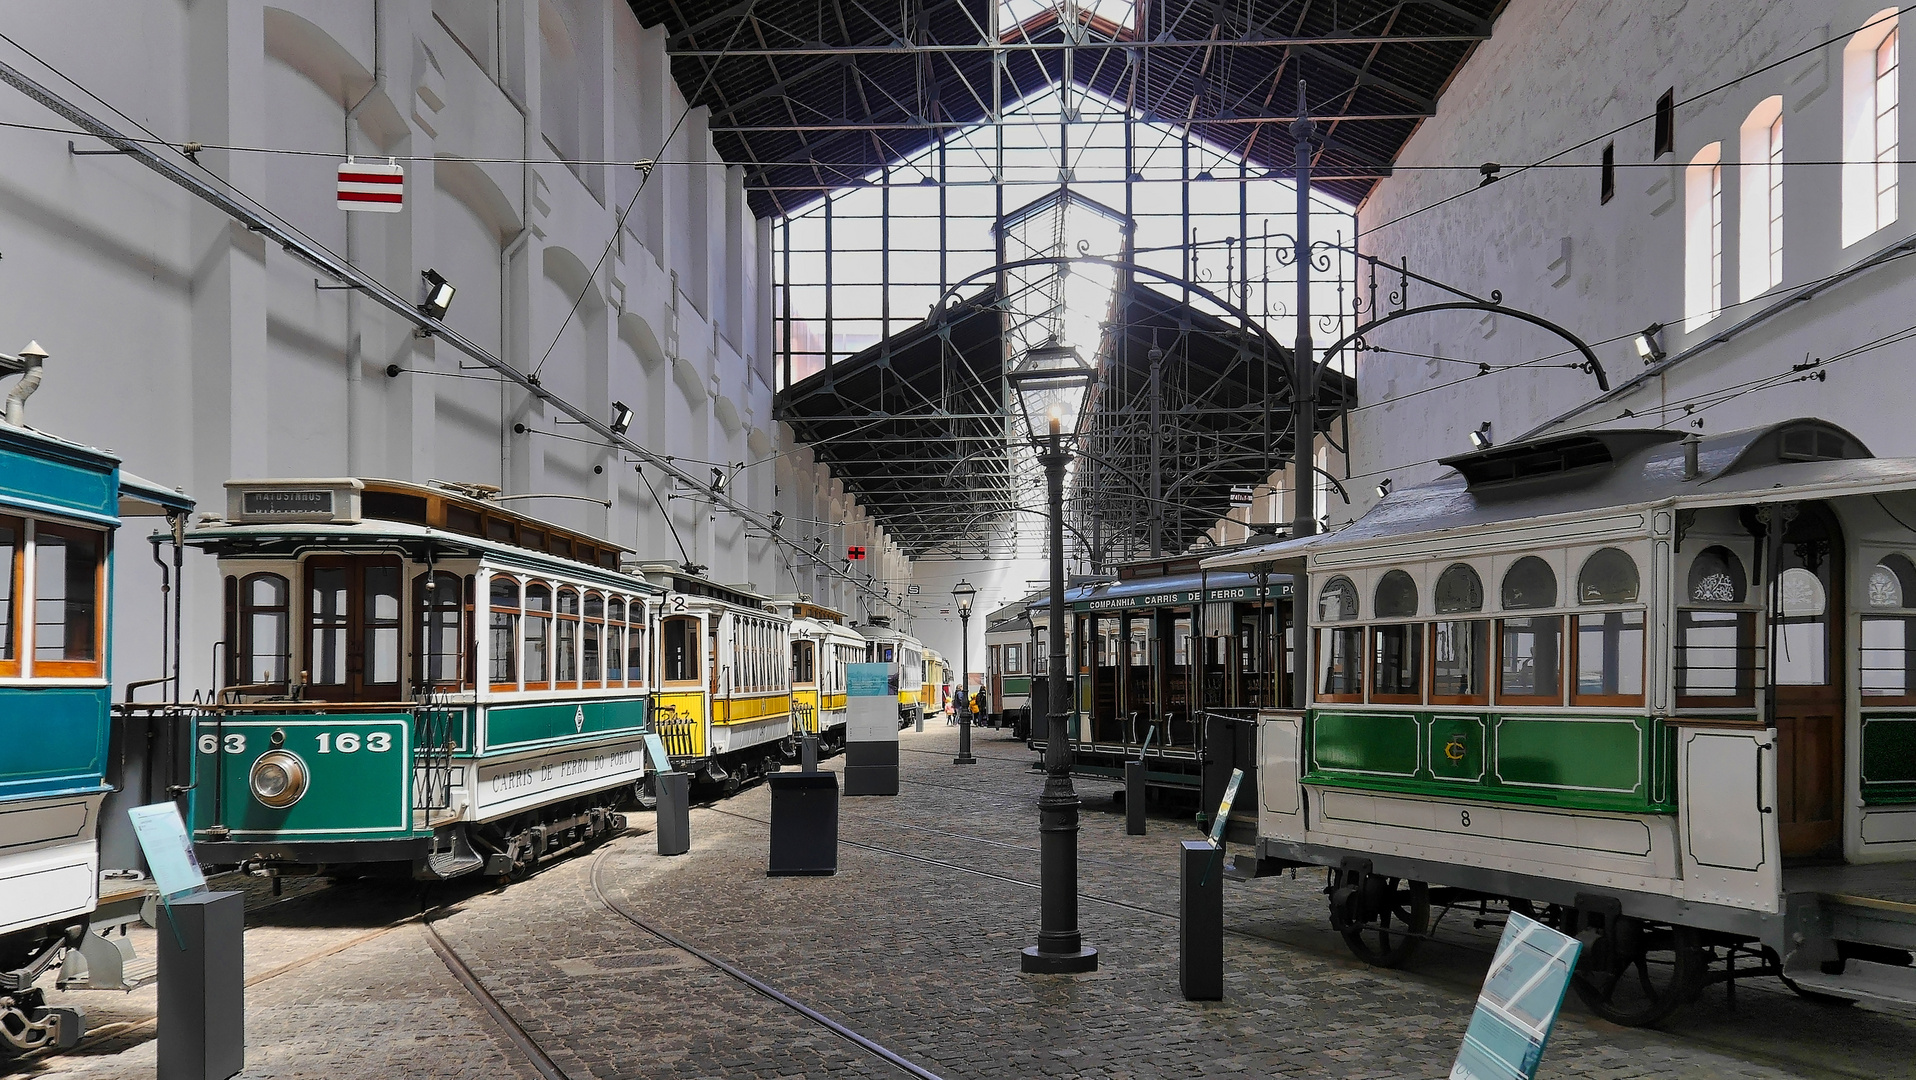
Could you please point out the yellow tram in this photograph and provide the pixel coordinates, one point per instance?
(822, 646)
(724, 686)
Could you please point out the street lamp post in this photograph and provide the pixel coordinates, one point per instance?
(1052, 381)
(964, 593)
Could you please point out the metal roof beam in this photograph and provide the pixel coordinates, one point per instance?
(957, 49)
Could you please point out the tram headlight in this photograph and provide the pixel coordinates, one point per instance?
(279, 778)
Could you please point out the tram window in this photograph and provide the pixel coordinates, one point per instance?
(565, 668)
(1181, 641)
(326, 659)
(12, 535)
(635, 663)
(1396, 596)
(500, 529)
(265, 629)
(503, 656)
(1802, 638)
(1108, 641)
(1338, 600)
(1340, 663)
(380, 601)
(438, 601)
(66, 627)
(460, 519)
(614, 641)
(1459, 590)
(681, 646)
(1609, 658)
(1459, 651)
(1141, 641)
(532, 538)
(1529, 583)
(1715, 658)
(1608, 577)
(802, 662)
(1889, 641)
(592, 640)
(561, 547)
(1529, 653)
(1717, 577)
(1014, 660)
(1397, 663)
(538, 633)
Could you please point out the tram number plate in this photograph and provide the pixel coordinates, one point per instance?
(289, 502)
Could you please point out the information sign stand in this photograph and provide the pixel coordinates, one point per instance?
(202, 992)
(1521, 998)
(871, 730)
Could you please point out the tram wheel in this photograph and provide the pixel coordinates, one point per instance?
(1403, 918)
(1639, 973)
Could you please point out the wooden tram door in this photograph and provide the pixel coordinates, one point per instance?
(354, 628)
(1807, 665)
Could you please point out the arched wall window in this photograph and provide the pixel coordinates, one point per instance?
(1703, 237)
(1871, 95)
(1760, 235)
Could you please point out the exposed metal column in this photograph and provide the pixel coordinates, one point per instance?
(1303, 358)
(1154, 514)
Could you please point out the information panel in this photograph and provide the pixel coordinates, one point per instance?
(1519, 1004)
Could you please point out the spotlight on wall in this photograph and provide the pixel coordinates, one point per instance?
(621, 418)
(438, 295)
(718, 480)
(1649, 344)
(1480, 438)
(1383, 488)
(778, 518)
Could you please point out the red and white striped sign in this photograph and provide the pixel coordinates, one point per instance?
(378, 188)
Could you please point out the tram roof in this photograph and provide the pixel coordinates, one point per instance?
(1194, 587)
(1592, 472)
(288, 540)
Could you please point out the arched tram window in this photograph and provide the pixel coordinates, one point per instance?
(1608, 646)
(503, 651)
(1460, 647)
(1715, 642)
(1529, 648)
(1889, 633)
(1340, 649)
(615, 641)
(265, 629)
(1397, 655)
(538, 636)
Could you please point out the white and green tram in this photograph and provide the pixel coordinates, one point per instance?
(1659, 689)
(415, 679)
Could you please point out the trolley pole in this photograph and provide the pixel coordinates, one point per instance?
(1303, 360)
(964, 594)
(1060, 949)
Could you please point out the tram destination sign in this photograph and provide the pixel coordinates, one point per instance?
(1175, 598)
(286, 501)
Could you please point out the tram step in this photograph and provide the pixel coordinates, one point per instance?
(1862, 980)
(103, 963)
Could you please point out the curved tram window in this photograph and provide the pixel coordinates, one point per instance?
(1397, 656)
(635, 666)
(566, 669)
(1340, 649)
(538, 628)
(1608, 645)
(1889, 633)
(615, 641)
(1715, 643)
(592, 640)
(1459, 648)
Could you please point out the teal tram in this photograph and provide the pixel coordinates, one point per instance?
(416, 680)
(1172, 663)
(1659, 690)
(71, 764)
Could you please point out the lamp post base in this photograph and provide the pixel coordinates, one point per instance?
(964, 759)
(1034, 962)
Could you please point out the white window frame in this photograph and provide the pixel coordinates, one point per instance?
(1760, 230)
(1703, 237)
(1871, 128)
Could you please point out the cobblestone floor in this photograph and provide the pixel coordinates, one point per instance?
(916, 955)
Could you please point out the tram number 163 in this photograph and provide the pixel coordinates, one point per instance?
(345, 742)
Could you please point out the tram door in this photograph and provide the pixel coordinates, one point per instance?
(1806, 657)
(353, 628)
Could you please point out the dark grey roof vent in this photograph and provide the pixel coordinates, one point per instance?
(1586, 455)
(1797, 440)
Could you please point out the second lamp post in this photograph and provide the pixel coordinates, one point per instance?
(964, 593)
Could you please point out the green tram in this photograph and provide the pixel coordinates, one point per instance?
(1008, 663)
(415, 679)
(1173, 662)
(1658, 690)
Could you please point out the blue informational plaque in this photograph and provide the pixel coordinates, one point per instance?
(169, 851)
(868, 680)
(655, 749)
(1519, 1004)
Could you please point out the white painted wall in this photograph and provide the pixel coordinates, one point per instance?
(1554, 75)
(200, 354)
